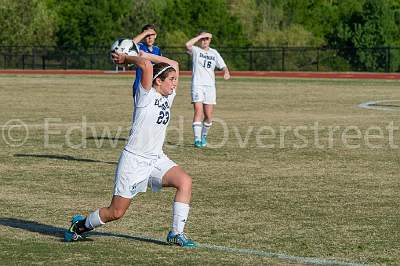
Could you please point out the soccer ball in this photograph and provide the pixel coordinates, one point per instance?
(126, 46)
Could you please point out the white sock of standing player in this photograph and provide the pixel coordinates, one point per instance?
(206, 128)
(197, 128)
(180, 212)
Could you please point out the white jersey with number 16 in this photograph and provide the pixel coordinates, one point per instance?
(204, 63)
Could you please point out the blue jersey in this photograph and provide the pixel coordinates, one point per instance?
(143, 47)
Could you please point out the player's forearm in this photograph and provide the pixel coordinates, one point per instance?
(189, 44)
(142, 63)
(143, 35)
(136, 60)
(139, 37)
(161, 59)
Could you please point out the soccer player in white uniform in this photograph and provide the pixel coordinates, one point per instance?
(204, 60)
(142, 162)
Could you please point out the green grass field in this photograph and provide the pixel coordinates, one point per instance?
(297, 169)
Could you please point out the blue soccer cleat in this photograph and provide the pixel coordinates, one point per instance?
(180, 240)
(71, 234)
(204, 141)
(197, 143)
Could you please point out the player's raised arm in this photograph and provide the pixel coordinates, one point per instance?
(138, 38)
(141, 62)
(161, 59)
(191, 42)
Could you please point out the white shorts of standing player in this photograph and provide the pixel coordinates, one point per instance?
(204, 94)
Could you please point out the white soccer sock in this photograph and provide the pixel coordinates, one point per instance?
(180, 214)
(197, 127)
(206, 127)
(93, 220)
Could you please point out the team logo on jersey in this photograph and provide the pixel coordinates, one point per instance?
(163, 105)
(208, 57)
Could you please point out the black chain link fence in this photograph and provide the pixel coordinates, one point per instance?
(379, 59)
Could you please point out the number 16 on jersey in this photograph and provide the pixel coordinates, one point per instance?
(207, 64)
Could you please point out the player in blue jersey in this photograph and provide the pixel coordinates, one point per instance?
(145, 41)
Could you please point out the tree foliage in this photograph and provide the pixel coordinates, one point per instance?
(85, 23)
(183, 19)
(26, 22)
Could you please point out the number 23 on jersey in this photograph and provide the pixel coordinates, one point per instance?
(163, 117)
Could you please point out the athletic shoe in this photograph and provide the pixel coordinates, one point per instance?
(203, 141)
(197, 143)
(71, 234)
(180, 240)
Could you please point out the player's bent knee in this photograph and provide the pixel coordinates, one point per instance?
(186, 183)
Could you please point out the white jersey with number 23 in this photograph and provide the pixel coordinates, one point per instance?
(151, 118)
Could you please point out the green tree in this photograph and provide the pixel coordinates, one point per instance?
(86, 23)
(367, 24)
(26, 22)
(273, 23)
(142, 12)
(350, 24)
(187, 18)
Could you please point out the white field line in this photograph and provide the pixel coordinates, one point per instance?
(282, 256)
(245, 251)
(372, 105)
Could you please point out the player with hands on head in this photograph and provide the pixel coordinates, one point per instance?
(204, 61)
(142, 162)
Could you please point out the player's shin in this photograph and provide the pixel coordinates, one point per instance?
(197, 128)
(179, 217)
(204, 132)
(176, 235)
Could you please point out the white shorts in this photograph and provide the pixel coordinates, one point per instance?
(204, 94)
(135, 173)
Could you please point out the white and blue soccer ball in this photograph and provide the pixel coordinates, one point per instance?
(126, 46)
